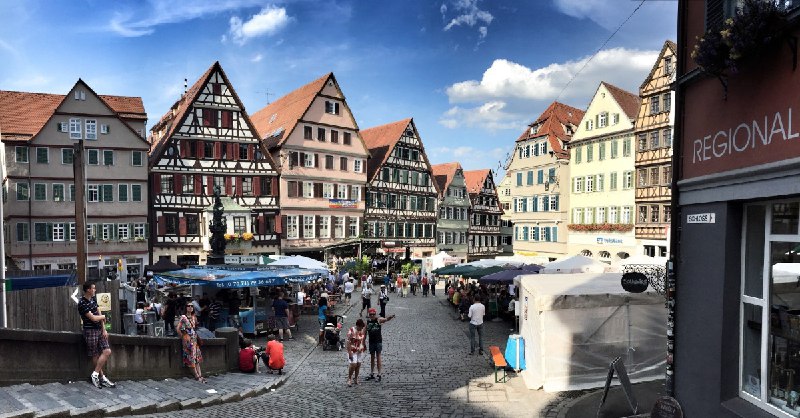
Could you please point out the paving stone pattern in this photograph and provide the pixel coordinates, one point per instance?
(427, 373)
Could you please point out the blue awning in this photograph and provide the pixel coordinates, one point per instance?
(225, 277)
(35, 282)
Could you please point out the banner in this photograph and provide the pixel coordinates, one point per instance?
(341, 203)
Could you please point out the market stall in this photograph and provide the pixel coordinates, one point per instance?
(574, 325)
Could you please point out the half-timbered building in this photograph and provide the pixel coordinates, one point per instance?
(484, 217)
(38, 131)
(401, 193)
(207, 141)
(654, 155)
(454, 205)
(313, 136)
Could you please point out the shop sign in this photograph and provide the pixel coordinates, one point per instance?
(341, 203)
(667, 407)
(635, 282)
(701, 218)
(248, 259)
(232, 259)
(606, 240)
(104, 301)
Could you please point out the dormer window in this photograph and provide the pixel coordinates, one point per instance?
(331, 107)
(534, 129)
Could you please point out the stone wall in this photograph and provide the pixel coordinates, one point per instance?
(33, 356)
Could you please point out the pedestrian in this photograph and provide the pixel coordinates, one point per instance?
(383, 299)
(399, 285)
(432, 284)
(412, 280)
(191, 354)
(424, 285)
(366, 299)
(205, 303)
(476, 313)
(405, 288)
(355, 351)
(95, 335)
(387, 280)
(280, 308)
(375, 338)
(348, 290)
(273, 356)
(233, 310)
(322, 311)
(170, 310)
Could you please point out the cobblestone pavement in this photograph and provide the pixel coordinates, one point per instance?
(427, 373)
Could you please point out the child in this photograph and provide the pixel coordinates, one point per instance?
(248, 360)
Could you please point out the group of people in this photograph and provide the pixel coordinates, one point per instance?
(412, 283)
(362, 337)
(271, 355)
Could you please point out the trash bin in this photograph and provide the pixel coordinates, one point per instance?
(129, 324)
(515, 352)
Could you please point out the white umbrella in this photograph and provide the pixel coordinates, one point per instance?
(301, 262)
(575, 264)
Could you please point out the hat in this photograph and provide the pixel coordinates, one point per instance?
(371, 311)
(383, 285)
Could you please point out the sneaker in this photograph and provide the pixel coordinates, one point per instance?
(370, 377)
(96, 380)
(107, 383)
(480, 352)
(379, 378)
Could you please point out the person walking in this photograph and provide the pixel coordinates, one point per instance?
(432, 283)
(412, 280)
(169, 311)
(374, 324)
(191, 354)
(279, 309)
(476, 313)
(387, 281)
(95, 335)
(399, 285)
(348, 290)
(424, 285)
(366, 299)
(383, 299)
(355, 351)
(322, 315)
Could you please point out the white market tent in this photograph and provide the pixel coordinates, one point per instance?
(301, 262)
(574, 325)
(575, 264)
(643, 260)
(437, 261)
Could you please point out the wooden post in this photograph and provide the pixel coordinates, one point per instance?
(79, 171)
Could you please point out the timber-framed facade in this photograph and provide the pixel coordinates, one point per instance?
(401, 193)
(654, 125)
(485, 212)
(207, 141)
(454, 207)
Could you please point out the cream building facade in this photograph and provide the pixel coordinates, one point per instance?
(602, 198)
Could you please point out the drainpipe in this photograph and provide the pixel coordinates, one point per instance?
(671, 279)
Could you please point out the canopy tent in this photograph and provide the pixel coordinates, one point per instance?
(574, 325)
(490, 262)
(507, 276)
(302, 262)
(518, 259)
(643, 260)
(575, 264)
(437, 261)
(455, 270)
(36, 282)
(478, 273)
(233, 278)
(165, 264)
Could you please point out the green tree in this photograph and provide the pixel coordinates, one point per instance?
(363, 266)
(408, 268)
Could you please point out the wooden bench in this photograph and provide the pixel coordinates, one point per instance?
(499, 363)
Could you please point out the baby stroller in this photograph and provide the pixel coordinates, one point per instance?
(333, 327)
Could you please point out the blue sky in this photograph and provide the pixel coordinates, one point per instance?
(472, 73)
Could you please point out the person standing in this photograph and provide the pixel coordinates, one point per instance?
(322, 314)
(399, 285)
(412, 280)
(348, 290)
(95, 334)
(374, 324)
(387, 280)
(476, 313)
(366, 299)
(169, 314)
(432, 283)
(355, 351)
(383, 299)
(191, 354)
(424, 285)
(280, 309)
(233, 310)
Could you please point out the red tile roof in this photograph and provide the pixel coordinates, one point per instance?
(628, 101)
(475, 179)
(23, 115)
(443, 174)
(287, 112)
(380, 141)
(552, 122)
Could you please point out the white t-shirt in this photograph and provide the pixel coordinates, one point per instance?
(476, 313)
(137, 316)
(369, 279)
(348, 287)
(366, 293)
(301, 297)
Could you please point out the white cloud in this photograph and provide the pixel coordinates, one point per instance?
(268, 21)
(143, 17)
(510, 93)
(482, 31)
(257, 58)
(469, 14)
(651, 23)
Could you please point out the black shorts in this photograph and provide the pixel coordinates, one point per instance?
(366, 303)
(375, 348)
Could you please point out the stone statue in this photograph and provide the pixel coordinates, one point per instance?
(217, 227)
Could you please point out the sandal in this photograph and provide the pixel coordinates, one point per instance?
(349, 383)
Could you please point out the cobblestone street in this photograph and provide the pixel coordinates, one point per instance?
(427, 373)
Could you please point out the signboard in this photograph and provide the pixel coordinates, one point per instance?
(667, 407)
(394, 250)
(701, 218)
(635, 282)
(341, 203)
(622, 374)
(232, 259)
(104, 302)
(248, 259)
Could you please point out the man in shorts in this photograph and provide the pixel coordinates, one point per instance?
(348, 290)
(280, 308)
(94, 332)
(355, 351)
(366, 299)
(374, 324)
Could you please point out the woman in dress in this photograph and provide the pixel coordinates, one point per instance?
(192, 357)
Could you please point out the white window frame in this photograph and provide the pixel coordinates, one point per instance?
(308, 189)
(553, 203)
(27, 155)
(338, 227)
(613, 213)
(325, 226)
(625, 217)
(589, 184)
(104, 128)
(107, 232)
(352, 231)
(327, 190)
(308, 226)
(93, 189)
(357, 166)
(141, 158)
(75, 128)
(292, 227)
(588, 216)
(91, 129)
(602, 120)
(341, 191)
(123, 233)
(308, 160)
(139, 231)
(589, 125)
(600, 215)
(58, 231)
(355, 193)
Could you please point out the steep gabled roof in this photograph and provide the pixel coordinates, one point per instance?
(552, 123)
(23, 115)
(474, 180)
(443, 175)
(627, 101)
(667, 45)
(285, 112)
(380, 141)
